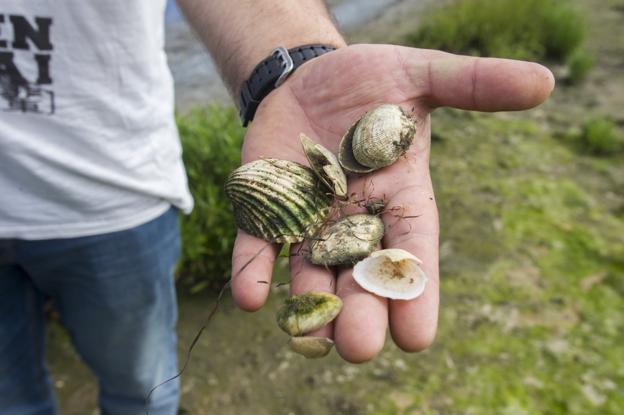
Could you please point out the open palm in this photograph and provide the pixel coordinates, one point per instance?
(322, 99)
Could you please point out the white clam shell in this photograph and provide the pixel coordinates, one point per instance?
(391, 273)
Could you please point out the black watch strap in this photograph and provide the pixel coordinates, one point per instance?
(271, 72)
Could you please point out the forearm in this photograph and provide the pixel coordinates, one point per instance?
(240, 33)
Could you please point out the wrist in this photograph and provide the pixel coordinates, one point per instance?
(271, 72)
(251, 59)
(241, 33)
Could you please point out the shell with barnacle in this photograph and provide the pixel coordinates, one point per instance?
(278, 200)
(346, 241)
(377, 140)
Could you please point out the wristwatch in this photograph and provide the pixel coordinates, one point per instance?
(271, 73)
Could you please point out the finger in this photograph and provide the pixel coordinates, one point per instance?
(360, 328)
(410, 216)
(252, 267)
(306, 277)
(411, 223)
(414, 228)
(482, 84)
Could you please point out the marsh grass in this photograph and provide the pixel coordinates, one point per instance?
(211, 138)
(579, 65)
(599, 136)
(541, 30)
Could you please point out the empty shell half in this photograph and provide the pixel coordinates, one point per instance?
(310, 346)
(346, 241)
(277, 200)
(304, 313)
(391, 273)
(377, 140)
(326, 166)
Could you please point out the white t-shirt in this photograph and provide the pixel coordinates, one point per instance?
(88, 141)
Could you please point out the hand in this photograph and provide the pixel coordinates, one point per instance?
(322, 99)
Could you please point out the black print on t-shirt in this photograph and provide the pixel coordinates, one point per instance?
(30, 47)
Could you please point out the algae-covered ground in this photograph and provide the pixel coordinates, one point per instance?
(532, 265)
(532, 283)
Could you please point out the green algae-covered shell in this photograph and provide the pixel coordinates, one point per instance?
(277, 200)
(304, 313)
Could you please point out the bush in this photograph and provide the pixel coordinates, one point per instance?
(579, 64)
(211, 139)
(599, 137)
(520, 29)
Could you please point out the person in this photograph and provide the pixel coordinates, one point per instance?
(91, 178)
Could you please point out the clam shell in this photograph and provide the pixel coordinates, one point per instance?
(345, 154)
(304, 313)
(377, 140)
(325, 165)
(346, 241)
(391, 273)
(311, 347)
(277, 200)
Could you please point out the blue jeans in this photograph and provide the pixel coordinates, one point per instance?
(115, 294)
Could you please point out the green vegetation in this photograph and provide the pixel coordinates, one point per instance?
(532, 275)
(523, 29)
(579, 64)
(211, 139)
(599, 136)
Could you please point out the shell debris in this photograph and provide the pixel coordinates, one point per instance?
(325, 165)
(310, 346)
(346, 241)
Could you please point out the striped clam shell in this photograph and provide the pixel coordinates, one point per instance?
(377, 140)
(277, 200)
